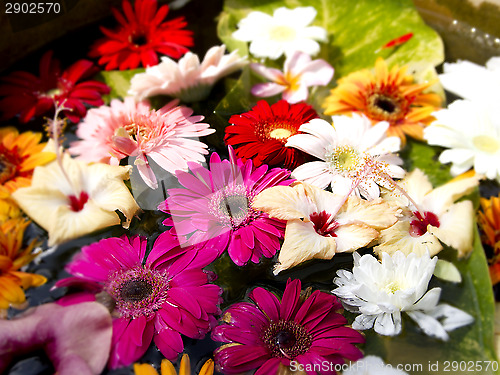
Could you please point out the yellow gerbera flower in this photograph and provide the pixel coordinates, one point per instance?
(489, 223)
(19, 155)
(13, 256)
(168, 369)
(385, 95)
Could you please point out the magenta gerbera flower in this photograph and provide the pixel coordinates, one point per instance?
(298, 332)
(158, 297)
(29, 96)
(214, 208)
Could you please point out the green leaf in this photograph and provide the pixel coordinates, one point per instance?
(447, 271)
(118, 81)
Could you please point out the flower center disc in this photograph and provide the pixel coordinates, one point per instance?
(486, 144)
(135, 290)
(8, 168)
(286, 339)
(138, 39)
(280, 133)
(385, 107)
(282, 33)
(344, 159)
(234, 206)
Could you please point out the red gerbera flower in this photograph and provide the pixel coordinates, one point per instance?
(140, 36)
(261, 133)
(30, 96)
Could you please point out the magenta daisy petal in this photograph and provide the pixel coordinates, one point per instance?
(307, 330)
(155, 298)
(214, 208)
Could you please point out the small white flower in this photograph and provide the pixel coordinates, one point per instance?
(381, 291)
(371, 365)
(471, 131)
(347, 150)
(286, 31)
(188, 79)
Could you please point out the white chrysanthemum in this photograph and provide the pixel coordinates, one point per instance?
(347, 151)
(372, 365)
(471, 131)
(286, 31)
(188, 79)
(381, 291)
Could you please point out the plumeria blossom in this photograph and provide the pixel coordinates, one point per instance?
(431, 217)
(471, 132)
(142, 34)
(214, 208)
(267, 333)
(299, 73)
(372, 365)
(157, 296)
(57, 330)
(352, 152)
(122, 129)
(381, 291)
(168, 369)
(320, 224)
(188, 79)
(286, 31)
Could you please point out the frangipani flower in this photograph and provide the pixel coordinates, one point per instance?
(381, 291)
(471, 132)
(353, 153)
(268, 333)
(321, 224)
(436, 219)
(72, 199)
(167, 136)
(299, 73)
(186, 79)
(168, 369)
(371, 365)
(76, 338)
(286, 31)
(385, 95)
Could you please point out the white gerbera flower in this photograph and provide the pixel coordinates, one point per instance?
(348, 151)
(188, 79)
(381, 291)
(371, 365)
(471, 131)
(286, 31)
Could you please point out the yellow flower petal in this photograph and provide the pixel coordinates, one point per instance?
(144, 369)
(167, 368)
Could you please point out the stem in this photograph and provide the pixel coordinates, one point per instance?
(403, 191)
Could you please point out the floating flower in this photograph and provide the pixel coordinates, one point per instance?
(472, 134)
(72, 199)
(19, 155)
(142, 34)
(489, 223)
(14, 256)
(214, 208)
(381, 292)
(351, 151)
(296, 331)
(76, 338)
(111, 133)
(299, 73)
(385, 95)
(30, 96)
(168, 369)
(371, 365)
(431, 217)
(156, 297)
(187, 79)
(261, 134)
(321, 224)
(286, 31)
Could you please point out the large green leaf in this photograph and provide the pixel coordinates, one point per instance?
(118, 81)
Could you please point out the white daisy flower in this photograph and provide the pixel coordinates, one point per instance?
(286, 31)
(381, 291)
(471, 131)
(353, 153)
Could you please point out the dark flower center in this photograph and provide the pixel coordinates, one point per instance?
(234, 206)
(387, 106)
(135, 290)
(286, 339)
(9, 164)
(324, 224)
(418, 227)
(77, 203)
(138, 39)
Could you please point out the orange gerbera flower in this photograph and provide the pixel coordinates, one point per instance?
(385, 95)
(13, 256)
(168, 369)
(19, 155)
(489, 223)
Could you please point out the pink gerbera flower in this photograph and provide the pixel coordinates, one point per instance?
(30, 96)
(155, 297)
(299, 331)
(111, 133)
(214, 208)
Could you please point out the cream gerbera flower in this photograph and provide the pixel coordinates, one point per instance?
(286, 31)
(321, 224)
(188, 79)
(431, 218)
